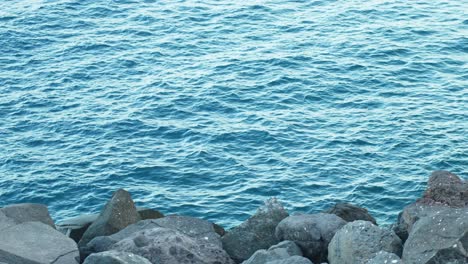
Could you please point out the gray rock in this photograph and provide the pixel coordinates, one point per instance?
(358, 241)
(36, 243)
(198, 229)
(27, 212)
(115, 257)
(350, 213)
(258, 232)
(169, 246)
(291, 260)
(440, 238)
(411, 214)
(446, 188)
(118, 213)
(75, 227)
(311, 232)
(383, 257)
(283, 250)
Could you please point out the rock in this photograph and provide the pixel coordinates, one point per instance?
(445, 188)
(384, 257)
(291, 260)
(350, 213)
(258, 232)
(36, 243)
(219, 229)
(411, 214)
(118, 213)
(27, 212)
(198, 229)
(283, 250)
(311, 232)
(115, 257)
(439, 238)
(169, 246)
(358, 241)
(75, 227)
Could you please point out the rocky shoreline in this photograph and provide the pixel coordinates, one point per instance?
(432, 230)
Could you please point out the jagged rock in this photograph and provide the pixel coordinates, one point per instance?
(219, 229)
(115, 257)
(258, 232)
(118, 213)
(198, 229)
(27, 212)
(311, 232)
(383, 257)
(75, 227)
(36, 243)
(445, 188)
(283, 250)
(169, 246)
(291, 260)
(350, 213)
(439, 238)
(358, 241)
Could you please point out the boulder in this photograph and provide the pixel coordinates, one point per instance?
(27, 212)
(36, 243)
(291, 260)
(350, 213)
(444, 191)
(447, 189)
(283, 250)
(117, 214)
(359, 241)
(383, 257)
(115, 257)
(75, 227)
(311, 232)
(168, 246)
(440, 238)
(258, 232)
(198, 229)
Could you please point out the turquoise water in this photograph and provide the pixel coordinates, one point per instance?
(206, 108)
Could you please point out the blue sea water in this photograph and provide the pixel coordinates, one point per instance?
(207, 108)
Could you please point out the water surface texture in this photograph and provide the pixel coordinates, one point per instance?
(206, 108)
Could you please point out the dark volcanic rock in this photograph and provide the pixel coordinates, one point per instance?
(359, 241)
(27, 212)
(115, 257)
(383, 257)
(439, 238)
(258, 232)
(36, 243)
(311, 232)
(169, 246)
(445, 188)
(350, 213)
(148, 213)
(291, 260)
(118, 213)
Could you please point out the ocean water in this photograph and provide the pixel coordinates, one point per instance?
(207, 108)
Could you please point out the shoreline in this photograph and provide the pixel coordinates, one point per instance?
(343, 233)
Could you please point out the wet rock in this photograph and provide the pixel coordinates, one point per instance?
(117, 214)
(198, 229)
(169, 246)
(283, 250)
(258, 232)
(27, 212)
(36, 243)
(350, 213)
(439, 238)
(311, 232)
(219, 229)
(383, 257)
(115, 257)
(291, 260)
(359, 241)
(148, 213)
